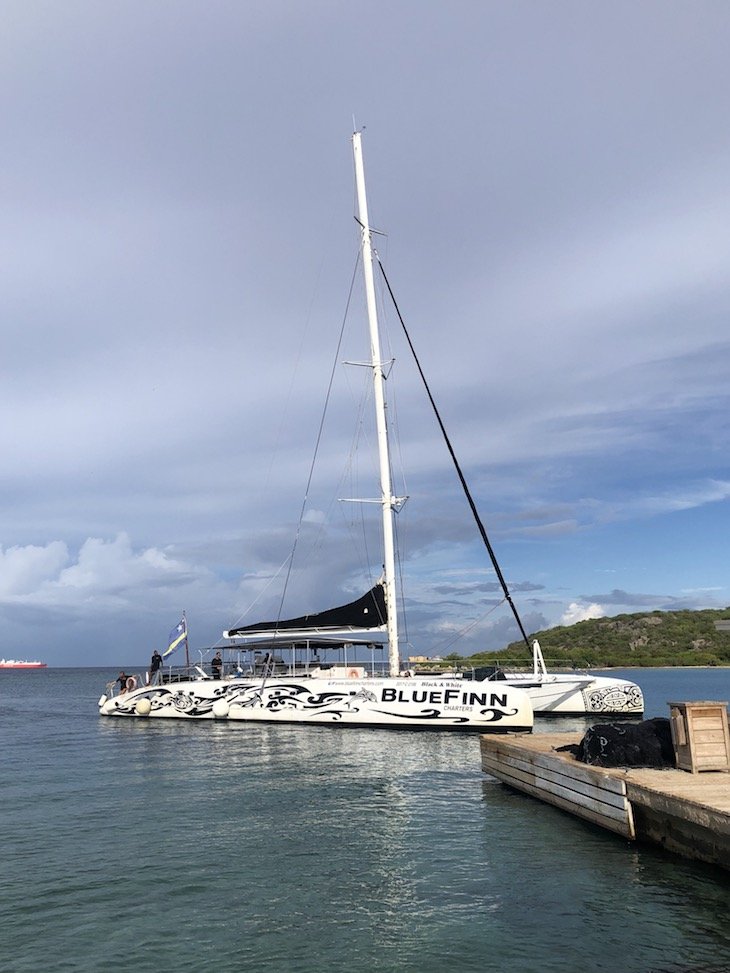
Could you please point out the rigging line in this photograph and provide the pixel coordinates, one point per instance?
(464, 485)
(305, 332)
(396, 443)
(453, 639)
(401, 584)
(319, 437)
(354, 473)
(256, 600)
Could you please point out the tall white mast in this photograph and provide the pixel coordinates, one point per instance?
(389, 502)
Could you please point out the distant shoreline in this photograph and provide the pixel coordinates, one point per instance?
(587, 668)
(641, 668)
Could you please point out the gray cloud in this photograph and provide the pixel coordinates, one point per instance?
(177, 247)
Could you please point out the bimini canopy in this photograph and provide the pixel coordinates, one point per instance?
(366, 616)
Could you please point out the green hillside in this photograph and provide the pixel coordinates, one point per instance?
(671, 638)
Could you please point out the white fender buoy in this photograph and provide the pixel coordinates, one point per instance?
(220, 709)
(142, 707)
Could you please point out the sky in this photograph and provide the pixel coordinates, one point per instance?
(550, 182)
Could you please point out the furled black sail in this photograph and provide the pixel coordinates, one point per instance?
(368, 612)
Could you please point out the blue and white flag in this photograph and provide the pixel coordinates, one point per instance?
(176, 636)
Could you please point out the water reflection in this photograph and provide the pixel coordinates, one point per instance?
(328, 848)
(658, 906)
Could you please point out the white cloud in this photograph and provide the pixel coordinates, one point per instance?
(112, 567)
(104, 574)
(579, 613)
(314, 517)
(24, 569)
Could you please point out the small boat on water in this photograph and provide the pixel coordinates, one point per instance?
(21, 664)
(310, 669)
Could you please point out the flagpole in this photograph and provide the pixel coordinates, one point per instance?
(187, 651)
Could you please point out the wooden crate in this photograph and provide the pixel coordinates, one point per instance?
(700, 735)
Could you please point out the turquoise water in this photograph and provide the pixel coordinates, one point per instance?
(144, 845)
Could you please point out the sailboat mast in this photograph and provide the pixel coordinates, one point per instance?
(386, 492)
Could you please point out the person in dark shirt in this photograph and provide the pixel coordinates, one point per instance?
(216, 665)
(155, 666)
(122, 680)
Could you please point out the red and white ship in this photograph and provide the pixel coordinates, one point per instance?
(21, 664)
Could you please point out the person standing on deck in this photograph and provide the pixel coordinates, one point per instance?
(216, 665)
(155, 666)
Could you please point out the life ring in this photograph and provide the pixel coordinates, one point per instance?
(131, 684)
(353, 674)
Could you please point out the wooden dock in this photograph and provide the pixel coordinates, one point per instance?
(686, 813)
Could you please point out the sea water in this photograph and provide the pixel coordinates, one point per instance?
(173, 846)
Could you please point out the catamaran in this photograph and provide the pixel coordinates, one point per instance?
(321, 669)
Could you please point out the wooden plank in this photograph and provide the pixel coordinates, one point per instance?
(704, 723)
(709, 789)
(715, 821)
(584, 791)
(623, 825)
(711, 745)
(584, 805)
(550, 760)
(614, 808)
(561, 777)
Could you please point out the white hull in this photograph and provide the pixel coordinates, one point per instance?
(443, 704)
(20, 664)
(564, 694)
